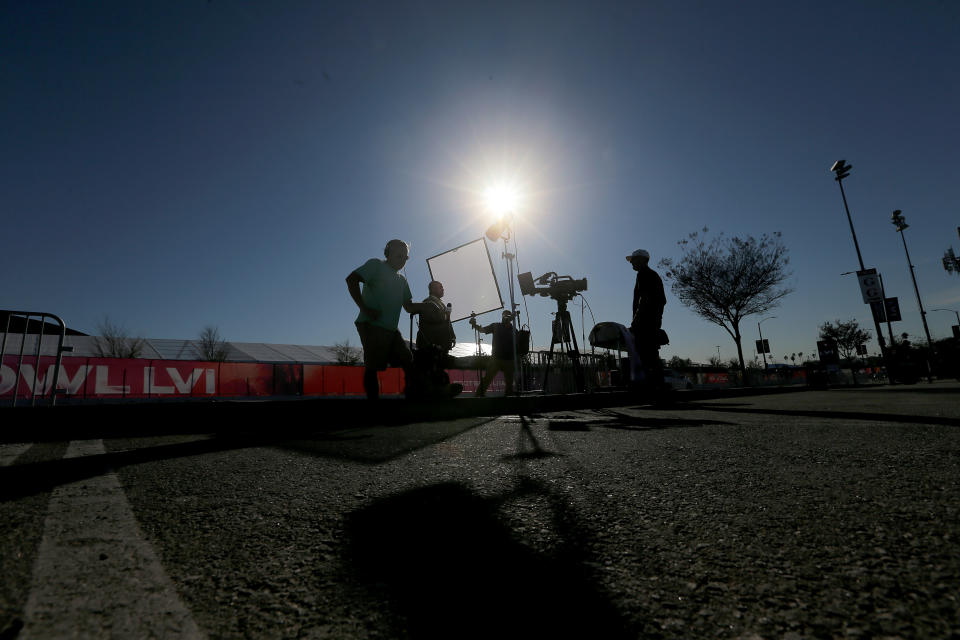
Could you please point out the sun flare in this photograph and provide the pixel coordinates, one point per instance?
(501, 199)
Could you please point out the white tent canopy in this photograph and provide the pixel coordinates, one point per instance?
(173, 349)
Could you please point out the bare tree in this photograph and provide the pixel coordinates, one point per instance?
(346, 354)
(113, 341)
(846, 335)
(213, 348)
(676, 362)
(729, 278)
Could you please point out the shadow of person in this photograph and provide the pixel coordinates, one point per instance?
(449, 567)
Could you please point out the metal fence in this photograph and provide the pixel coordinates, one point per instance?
(42, 317)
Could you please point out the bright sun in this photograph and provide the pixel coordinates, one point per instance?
(501, 199)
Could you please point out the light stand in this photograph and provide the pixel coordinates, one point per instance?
(500, 230)
(478, 340)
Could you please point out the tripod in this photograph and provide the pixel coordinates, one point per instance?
(564, 335)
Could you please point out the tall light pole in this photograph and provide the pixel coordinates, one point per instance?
(762, 349)
(842, 170)
(900, 223)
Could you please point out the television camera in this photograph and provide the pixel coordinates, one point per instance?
(560, 288)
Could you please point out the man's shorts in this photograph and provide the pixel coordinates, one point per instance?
(383, 347)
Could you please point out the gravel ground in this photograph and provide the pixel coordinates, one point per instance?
(809, 515)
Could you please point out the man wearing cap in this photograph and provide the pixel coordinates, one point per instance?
(504, 335)
(648, 303)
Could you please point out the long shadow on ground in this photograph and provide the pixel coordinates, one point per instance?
(919, 388)
(21, 480)
(450, 568)
(366, 445)
(612, 419)
(375, 445)
(833, 415)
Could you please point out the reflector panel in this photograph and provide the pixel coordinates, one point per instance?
(469, 282)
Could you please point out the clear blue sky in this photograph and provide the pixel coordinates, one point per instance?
(176, 164)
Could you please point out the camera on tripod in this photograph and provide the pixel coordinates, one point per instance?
(562, 289)
(557, 287)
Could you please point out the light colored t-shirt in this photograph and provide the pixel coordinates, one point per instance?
(383, 289)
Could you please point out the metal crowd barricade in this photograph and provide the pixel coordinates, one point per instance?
(26, 315)
(563, 377)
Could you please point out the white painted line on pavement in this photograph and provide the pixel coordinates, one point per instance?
(96, 575)
(10, 452)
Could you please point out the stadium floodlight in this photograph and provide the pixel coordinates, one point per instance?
(900, 223)
(842, 170)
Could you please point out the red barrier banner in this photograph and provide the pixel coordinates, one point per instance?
(469, 378)
(37, 380)
(287, 379)
(109, 377)
(92, 378)
(243, 379)
(332, 380)
(391, 381)
(716, 378)
(164, 378)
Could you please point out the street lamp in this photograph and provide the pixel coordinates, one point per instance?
(900, 223)
(954, 311)
(762, 349)
(842, 170)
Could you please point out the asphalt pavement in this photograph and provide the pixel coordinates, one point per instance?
(798, 514)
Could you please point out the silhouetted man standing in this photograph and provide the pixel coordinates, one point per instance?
(648, 303)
